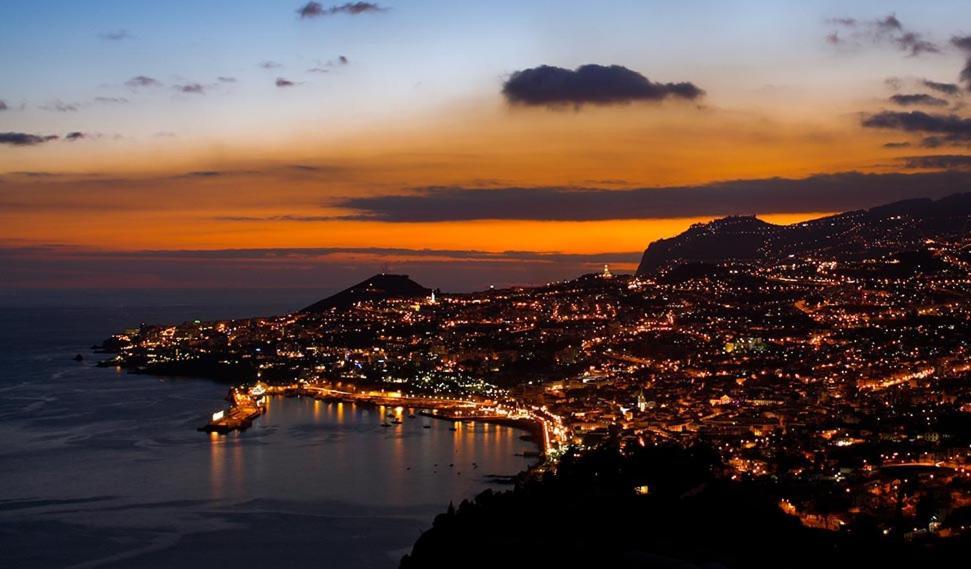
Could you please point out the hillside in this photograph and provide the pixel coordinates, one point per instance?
(886, 229)
(379, 287)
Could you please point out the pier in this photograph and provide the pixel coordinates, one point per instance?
(246, 407)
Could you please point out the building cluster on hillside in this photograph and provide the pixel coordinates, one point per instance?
(848, 383)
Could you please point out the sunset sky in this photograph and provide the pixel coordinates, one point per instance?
(292, 144)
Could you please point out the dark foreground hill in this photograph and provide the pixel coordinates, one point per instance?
(588, 514)
(887, 229)
(379, 287)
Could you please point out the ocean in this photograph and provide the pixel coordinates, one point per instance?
(100, 468)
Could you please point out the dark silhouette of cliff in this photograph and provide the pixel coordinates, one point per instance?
(887, 229)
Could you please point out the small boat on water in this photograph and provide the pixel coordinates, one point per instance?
(397, 421)
(426, 426)
(385, 424)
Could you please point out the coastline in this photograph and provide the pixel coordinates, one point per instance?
(453, 410)
(248, 405)
(301, 524)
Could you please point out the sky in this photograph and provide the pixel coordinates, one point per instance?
(278, 143)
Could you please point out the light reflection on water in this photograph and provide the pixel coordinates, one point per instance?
(110, 467)
(309, 447)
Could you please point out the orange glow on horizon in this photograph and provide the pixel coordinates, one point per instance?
(175, 233)
(194, 195)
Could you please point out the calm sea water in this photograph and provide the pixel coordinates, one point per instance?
(99, 468)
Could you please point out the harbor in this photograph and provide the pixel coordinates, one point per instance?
(250, 403)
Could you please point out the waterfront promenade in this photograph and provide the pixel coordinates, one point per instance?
(249, 403)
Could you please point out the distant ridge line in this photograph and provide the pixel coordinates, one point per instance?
(845, 235)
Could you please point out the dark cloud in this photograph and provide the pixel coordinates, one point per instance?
(918, 99)
(939, 141)
(828, 192)
(204, 174)
(318, 271)
(914, 44)
(887, 31)
(143, 81)
(209, 174)
(224, 79)
(115, 35)
(847, 22)
(24, 139)
(322, 67)
(282, 170)
(607, 182)
(61, 107)
(34, 174)
(889, 24)
(938, 161)
(311, 168)
(111, 100)
(281, 82)
(270, 65)
(3, 106)
(285, 217)
(944, 129)
(191, 88)
(949, 89)
(317, 10)
(276, 171)
(897, 145)
(964, 44)
(311, 252)
(76, 135)
(589, 84)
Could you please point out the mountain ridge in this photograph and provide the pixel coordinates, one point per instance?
(887, 228)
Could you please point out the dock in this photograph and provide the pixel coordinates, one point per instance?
(245, 409)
